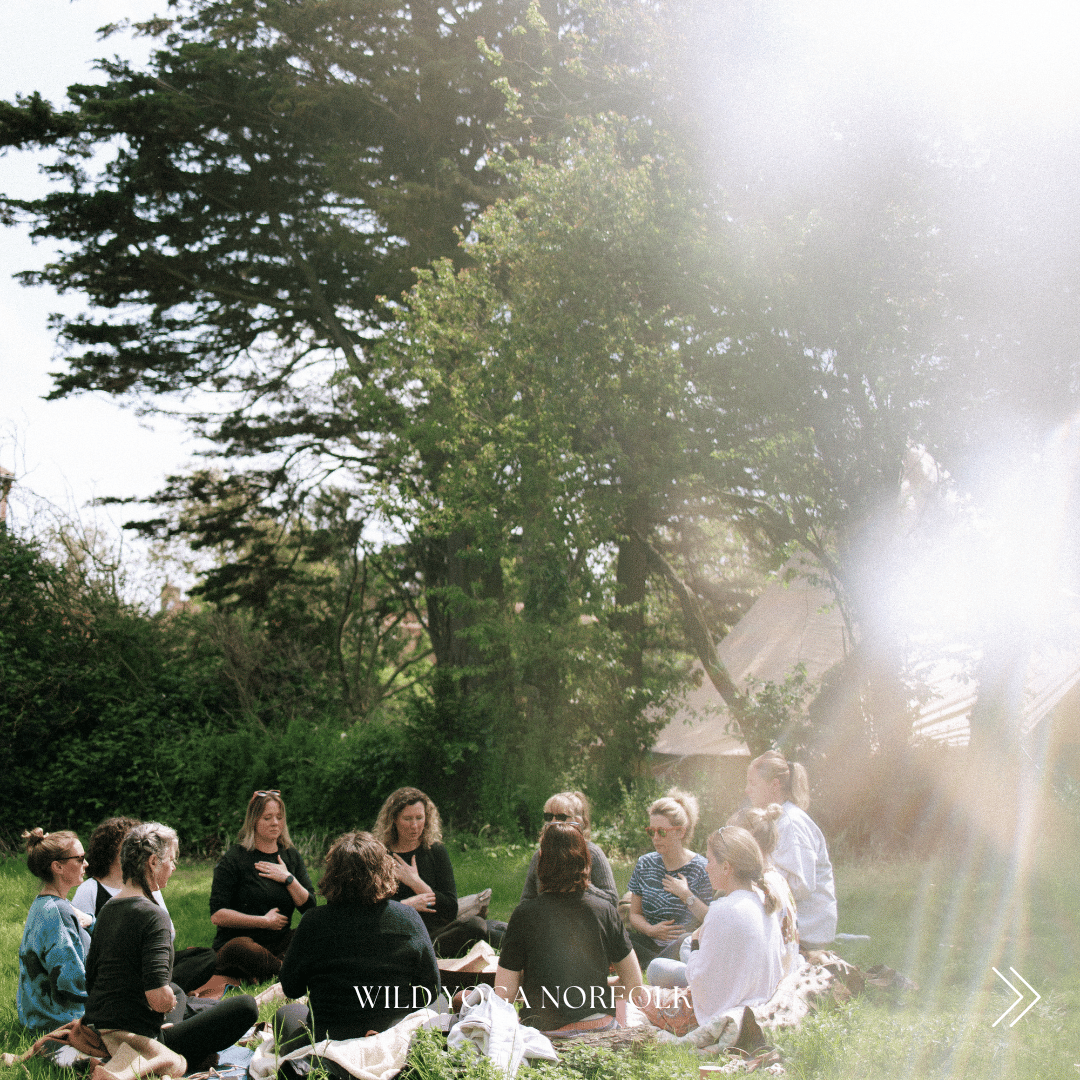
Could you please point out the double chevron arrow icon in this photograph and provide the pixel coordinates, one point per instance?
(1019, 996)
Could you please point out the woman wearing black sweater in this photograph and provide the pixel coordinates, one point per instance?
(408, 826)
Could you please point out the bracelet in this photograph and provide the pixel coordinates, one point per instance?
(288, 881)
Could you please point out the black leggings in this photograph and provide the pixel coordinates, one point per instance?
(211, 1029)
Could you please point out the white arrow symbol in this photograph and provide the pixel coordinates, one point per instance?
(1019, 996)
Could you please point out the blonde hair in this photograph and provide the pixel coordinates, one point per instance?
(44, 848)
(760, 824)
(386, 823)
(772, 765)
(579, 802)
(680, 808)
(255, 810)
(736, 846)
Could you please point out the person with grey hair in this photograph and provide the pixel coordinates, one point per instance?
(129, 966)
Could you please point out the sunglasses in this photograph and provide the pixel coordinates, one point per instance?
(272, 791)
(68, 858)
(652, 830)
(558, 817)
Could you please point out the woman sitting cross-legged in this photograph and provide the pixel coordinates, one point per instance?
(258, 884)
(559, 946)
(669, 888)
(737, 953)
(129, 969)
(363, 959)
(574, 806)
(408, 827)
(52, 954)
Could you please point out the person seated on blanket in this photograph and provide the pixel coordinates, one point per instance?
(800, 854)
(363, 959)
(258, 884)
(761, 825)
(192, 967)
(55, 941)
(574, 806)
(129, 966)
(559, 946)
(736, 956)
(408, 826)
(661, 910)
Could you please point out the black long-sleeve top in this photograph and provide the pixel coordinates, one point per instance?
(237, 885)
(433, 866)
(363, 967)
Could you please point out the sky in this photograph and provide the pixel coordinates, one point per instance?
(70, 452)
(990, 59)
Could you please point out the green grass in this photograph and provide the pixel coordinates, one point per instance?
(944, 922)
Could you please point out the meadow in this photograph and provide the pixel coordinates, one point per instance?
(944, 921)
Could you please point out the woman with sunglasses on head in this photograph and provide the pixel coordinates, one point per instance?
(659, 917)
(55, 942)
(258, 884)
(573, 806)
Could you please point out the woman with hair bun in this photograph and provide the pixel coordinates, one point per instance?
(800, 854)
(129, 967)
(55, 942)
(669, 888)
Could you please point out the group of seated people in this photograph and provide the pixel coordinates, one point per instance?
(727, 927)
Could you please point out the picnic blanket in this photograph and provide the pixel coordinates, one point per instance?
(376, 1057)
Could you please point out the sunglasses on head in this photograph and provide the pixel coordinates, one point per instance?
(272, 791)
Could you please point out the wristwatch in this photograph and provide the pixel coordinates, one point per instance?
(288, 881)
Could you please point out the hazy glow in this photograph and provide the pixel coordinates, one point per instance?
(1007, 56)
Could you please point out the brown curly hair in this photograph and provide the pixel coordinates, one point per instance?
(565, 863)
(359, 870)
(44, 848)
(386, 823)
(105, 843)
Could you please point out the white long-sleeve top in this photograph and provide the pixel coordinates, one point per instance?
(802, 857)
(740, 957)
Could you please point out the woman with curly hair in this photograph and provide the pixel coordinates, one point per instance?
(258, 884)
(408, 826)
(103, 877)
(559, 946)
(363, 959)
(55, 942)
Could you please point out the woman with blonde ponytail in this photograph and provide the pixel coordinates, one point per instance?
(800, 854)
(739, 956)
(761, 825)
(736, 957)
